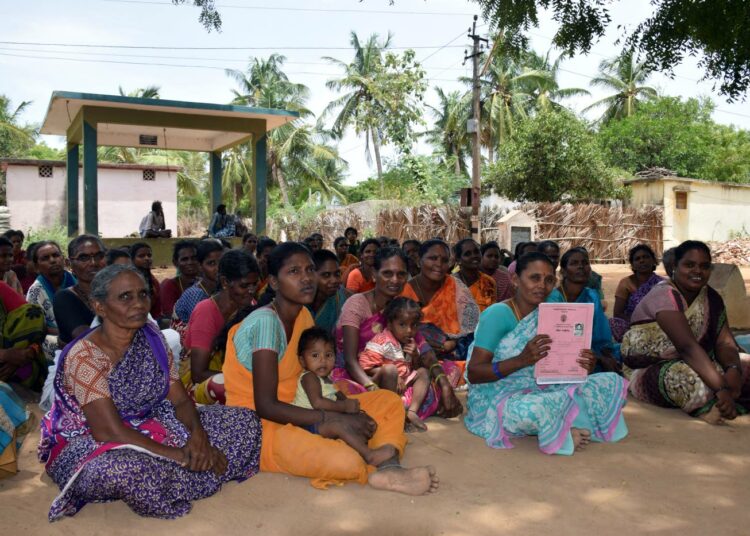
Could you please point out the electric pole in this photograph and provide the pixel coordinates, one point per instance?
(473, 128)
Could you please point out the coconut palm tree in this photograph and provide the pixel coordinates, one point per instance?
(625, 77)
(13, 136)
(297, 148)
(129, 155)
(449, 132)
(507, 98)
(546, 90)
(312, 161)
(237, 170)
(148, 92)
(357, 81)
(266, 85)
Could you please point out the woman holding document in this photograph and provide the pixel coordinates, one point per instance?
(505, 399)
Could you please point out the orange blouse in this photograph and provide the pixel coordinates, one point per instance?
(357, 283)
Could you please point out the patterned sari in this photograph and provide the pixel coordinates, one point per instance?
(24, 327)
(620, 326)
(14, 421)
(367, 330)
(659, 375)
(516, 406)
(151, 485)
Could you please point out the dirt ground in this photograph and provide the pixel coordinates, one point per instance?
(671, 475)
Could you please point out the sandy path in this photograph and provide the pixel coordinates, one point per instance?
(671, 475)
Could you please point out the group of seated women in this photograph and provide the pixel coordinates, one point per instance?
(311, 362)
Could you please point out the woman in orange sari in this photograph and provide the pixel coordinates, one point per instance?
(362, 278)
(449, 312)
(261, 371)
(347, 261)
(481, 286)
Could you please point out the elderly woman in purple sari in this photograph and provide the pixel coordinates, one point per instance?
(362, 318)
(633, 288)
(122, 425)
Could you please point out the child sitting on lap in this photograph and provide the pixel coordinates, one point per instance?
(315, 390)
(392, 359)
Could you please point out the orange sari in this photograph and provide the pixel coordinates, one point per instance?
(452, 308)
(349, 260)
(484, 291)
(287, 448)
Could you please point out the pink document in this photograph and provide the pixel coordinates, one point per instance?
(570, 326)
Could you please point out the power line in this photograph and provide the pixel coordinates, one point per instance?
(302, 9)
(186, 58)
(459, 36)
(182, 65)
(152, 47)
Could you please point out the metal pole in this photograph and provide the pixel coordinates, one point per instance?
(476, 181)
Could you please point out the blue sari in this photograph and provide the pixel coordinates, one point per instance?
(516, 406)
(328, 315)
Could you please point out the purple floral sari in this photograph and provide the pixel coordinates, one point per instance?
(620, 326)
(90, 471)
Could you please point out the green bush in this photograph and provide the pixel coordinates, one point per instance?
(58, 233)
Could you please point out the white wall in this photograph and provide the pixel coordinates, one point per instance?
(714, 210)
(124, 198)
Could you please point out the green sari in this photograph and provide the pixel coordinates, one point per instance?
(22, 328)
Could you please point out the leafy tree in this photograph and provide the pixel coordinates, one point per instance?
(715, 31)
(552, 157)
(42, 151)
(730, 156)
(398, 93)
(209, 17)
(412, 180)
(678, 135)
(625, 76)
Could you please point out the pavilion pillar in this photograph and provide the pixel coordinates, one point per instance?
(72, 188)
(90, 190)
(260, 172)
(216, 173)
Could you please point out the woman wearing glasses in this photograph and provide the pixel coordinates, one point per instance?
(73, 309)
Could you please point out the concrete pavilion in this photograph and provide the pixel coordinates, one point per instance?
(114, 120)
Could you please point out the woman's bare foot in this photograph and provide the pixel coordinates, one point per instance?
(416, 481)
(713, 416)
(581, 438)
(417, 424)
(381, 455)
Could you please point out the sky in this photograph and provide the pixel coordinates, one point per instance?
(190, 65)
